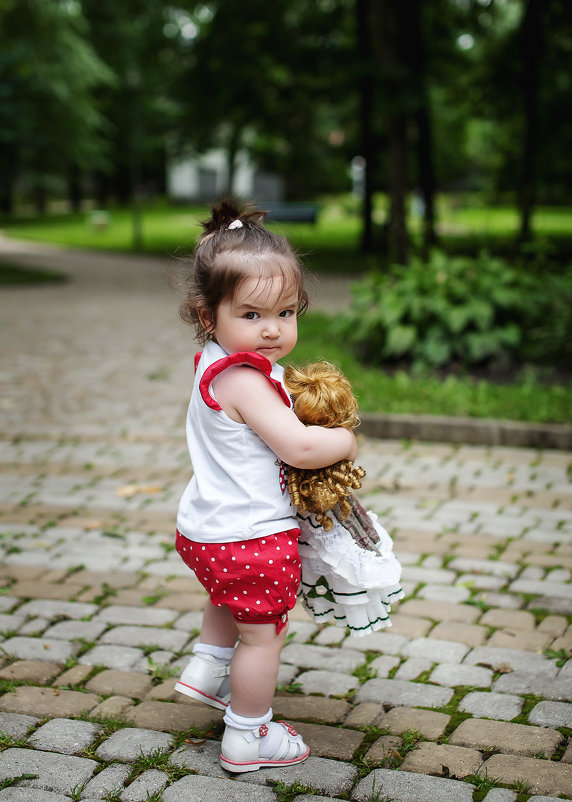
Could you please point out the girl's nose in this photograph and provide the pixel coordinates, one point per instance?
(271, 329)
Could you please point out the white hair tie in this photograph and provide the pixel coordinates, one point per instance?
(235, 224)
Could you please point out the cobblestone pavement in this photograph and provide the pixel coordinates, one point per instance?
(467, 697)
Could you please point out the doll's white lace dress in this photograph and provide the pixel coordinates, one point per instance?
(350, 574)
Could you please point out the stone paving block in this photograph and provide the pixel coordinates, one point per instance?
(113, 706)
(52, 650)
(437, 651)
(516, 683)
(344, 661)
(524, 641)
(64, 735)
(469, 634)
(129, 743)
(428, 576)
(503, 600)
(411, 669)
(481, 582)
(120, 683)
(332, 742)
(405, 786)
(455, 762)
(45, 590)
(410, 626)
(325, 776)
(383, 665)
(428, 722)
(53, 772)
(509, 619)
(51, 609)
(384, 642)
(501, 707)
(120, 658)
(30, 671)
(384, 751)
(523, 662)
(171, 639)
(330, 683)
(74, 630)
(213, 789)
(14, 794)
(302, 631)
(551, 714)
(11, 623)
(555, 624)
(16, 725)
(403, 694)
(454, 675)
(542, 776)
(201, 756)
(148, 784)
(542, 588)
(189, 621)
(141, 616)
(365, 715)
(501, 795)
(312, 708)
(330, 636)
(108, 780)
(47, 702)
(440, 611)
(76, 675)
(173, 715)
(513, 739)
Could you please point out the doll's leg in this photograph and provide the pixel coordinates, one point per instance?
(251, 739)
(207, 674)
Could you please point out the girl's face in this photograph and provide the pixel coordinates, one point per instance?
(261, 318)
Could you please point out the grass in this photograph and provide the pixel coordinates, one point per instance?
(378, 391)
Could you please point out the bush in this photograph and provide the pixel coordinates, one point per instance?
(458, 310)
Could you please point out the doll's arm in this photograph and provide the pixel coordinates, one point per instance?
(246, 395)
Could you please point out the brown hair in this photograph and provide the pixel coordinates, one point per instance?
(224, 257)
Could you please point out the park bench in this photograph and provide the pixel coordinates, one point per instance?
(292, 212)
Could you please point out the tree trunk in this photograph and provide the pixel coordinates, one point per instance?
(531, 39)
(74, 188)
(390, 24)
(232, 152)
(365, 83)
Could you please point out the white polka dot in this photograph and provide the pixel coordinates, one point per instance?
(263, 542)
(236, 598)
(222, 548)
(247, 609)
(287, 556)
(225, 570)
(212, 559)
(256, 554)
(247, 567)
(279, 600)
(275, 583)
(283, 569)
(277, 548)
(267, 591)
(204, 547)
(261, 574)
(289, 542)
(243, 546)
(233, 559)
(270, 562)
(245, 592)
(258, 602)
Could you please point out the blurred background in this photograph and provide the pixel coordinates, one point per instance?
(421, 146)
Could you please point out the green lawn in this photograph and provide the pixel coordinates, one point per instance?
(378, 391)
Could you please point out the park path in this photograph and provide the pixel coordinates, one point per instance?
(469, 694)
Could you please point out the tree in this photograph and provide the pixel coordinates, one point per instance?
(49, 123)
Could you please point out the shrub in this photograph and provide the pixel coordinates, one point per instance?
(458, 310)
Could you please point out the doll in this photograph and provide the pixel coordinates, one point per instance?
(349, 572)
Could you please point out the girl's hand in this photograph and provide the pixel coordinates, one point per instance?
(247, 396)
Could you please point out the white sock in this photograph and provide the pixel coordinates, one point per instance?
(270, 742)
(222, 653)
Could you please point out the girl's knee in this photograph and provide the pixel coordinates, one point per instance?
(262, 635)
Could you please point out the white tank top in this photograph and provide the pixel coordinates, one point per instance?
(238, 490)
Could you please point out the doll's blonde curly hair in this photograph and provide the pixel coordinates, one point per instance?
(323, 397)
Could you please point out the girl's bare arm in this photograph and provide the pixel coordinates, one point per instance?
(247, 396)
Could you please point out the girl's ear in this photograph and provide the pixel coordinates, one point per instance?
(206, 319)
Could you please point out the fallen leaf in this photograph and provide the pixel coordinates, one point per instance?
(127, 491)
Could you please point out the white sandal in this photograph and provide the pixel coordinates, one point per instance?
(241, 749)
(203, 678)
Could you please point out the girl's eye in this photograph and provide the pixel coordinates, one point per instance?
(251, 316)
(287, 313)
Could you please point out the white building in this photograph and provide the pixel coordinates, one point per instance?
(205, 178)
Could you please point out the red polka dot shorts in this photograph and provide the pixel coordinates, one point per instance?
(256, 579)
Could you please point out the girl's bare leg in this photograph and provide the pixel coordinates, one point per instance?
(254, 668)
(219, 627)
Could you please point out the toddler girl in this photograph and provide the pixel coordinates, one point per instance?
(236, 528)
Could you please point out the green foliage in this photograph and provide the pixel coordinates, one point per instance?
(460, 311)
